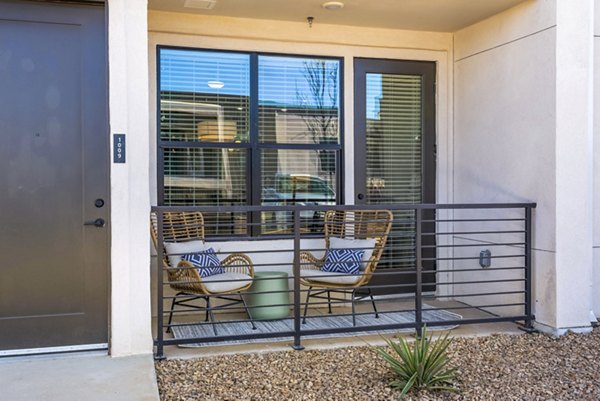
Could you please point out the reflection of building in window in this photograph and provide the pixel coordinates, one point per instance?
(215, 151)
(291, 128)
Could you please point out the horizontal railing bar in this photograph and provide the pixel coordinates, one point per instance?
(188, 340)
(392, 207)
(451, 308)
(479, 244)
(470, 220)
(479, 294)
(480, 269)
(511, 280)
(476, 257)
(476, 232)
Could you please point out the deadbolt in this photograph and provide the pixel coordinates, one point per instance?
(99, 202)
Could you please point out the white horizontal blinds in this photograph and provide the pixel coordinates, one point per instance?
(204, 176)
(393, 155)
(298, 100)
(204, 97)
(394, 128)
(298, 105)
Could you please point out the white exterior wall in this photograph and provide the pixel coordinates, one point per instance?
(504, 143)
(574, 170)
(130, 317)
(522, 107)
(596, 147)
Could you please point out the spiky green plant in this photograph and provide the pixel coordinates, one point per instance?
(423, 366)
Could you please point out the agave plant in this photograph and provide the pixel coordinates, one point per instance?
(423, 366)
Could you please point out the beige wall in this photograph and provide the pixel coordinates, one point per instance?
(130, 321)
(596, 242)
(504, 79)
(527, 74)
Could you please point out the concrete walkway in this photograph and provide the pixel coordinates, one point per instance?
(78, 378)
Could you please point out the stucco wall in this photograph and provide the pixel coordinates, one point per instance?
(596, 241)
(130, 198)
(504, 142)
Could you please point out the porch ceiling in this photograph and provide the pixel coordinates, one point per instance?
(424, 15)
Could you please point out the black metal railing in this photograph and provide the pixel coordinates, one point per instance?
(441, 265)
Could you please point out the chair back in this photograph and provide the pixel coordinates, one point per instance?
(360, 224)
(177, 227)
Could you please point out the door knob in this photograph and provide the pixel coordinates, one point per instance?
(99, 222)
(361, 196)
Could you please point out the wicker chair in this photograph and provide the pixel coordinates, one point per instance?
(182, 227)
(357, 225)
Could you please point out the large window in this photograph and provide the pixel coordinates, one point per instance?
(248, 129)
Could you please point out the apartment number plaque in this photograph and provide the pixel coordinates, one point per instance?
(119, 148)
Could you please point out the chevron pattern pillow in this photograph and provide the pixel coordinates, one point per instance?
(206, 262)
(343, 261)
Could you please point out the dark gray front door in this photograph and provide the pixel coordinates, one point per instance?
(395, 158)
(53, 176)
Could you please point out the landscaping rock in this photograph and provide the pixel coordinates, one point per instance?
(498, 367)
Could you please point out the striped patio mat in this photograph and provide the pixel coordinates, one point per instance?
(319, 322)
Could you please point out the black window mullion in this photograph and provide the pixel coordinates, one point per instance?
(253, 176)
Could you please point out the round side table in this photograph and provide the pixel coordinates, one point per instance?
(260, 304)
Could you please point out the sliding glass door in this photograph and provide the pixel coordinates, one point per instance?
(395, 154)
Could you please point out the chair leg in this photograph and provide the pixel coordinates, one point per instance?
(373, 302)
(247, 311)
(329, 301)
(211, 314)
(171, 311)
(353, 310)
(306, 305)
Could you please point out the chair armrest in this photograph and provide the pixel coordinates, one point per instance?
(185, 277)
(308, 261)
(238, 263)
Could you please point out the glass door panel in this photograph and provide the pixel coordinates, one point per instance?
(395, 145)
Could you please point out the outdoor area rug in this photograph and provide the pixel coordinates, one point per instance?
(312, 323)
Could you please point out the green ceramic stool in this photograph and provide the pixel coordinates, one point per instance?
(260, 304)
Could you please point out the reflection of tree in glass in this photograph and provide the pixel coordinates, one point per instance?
(321, 101)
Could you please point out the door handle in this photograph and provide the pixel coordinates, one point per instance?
(99, 222)
(361, 196)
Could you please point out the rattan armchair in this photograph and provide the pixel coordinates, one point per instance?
(357, 225)
(184, 278)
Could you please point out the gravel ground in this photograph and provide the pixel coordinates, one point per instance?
(499, 367)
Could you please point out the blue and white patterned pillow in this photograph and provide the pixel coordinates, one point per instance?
(206, 262)
(343, 261)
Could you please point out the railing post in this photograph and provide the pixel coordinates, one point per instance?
(159, 291)
(419, 269)
(296, 270)
(528, 270)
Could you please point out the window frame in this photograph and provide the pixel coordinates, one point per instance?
(253, 146)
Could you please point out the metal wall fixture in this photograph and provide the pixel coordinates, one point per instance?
(485, 258)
